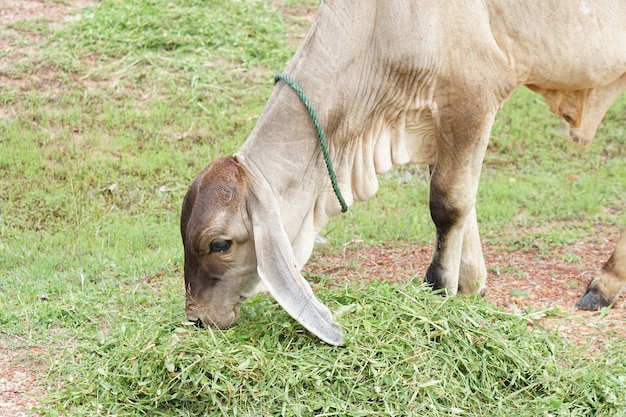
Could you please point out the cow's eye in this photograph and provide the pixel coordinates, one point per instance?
(218, 246)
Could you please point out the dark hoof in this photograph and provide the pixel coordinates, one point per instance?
(433, 279)
(592, 300)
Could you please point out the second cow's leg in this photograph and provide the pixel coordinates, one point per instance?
(605, 288)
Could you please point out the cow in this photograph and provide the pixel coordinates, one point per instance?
(393, 82)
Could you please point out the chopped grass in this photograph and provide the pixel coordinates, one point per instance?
(408, 352)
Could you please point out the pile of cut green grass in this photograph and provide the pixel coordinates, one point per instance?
(409, 352)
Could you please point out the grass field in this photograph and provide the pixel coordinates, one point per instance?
(106, 119)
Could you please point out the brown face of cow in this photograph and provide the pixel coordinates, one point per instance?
(220, 262)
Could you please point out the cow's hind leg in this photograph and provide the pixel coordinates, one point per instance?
(604, 289)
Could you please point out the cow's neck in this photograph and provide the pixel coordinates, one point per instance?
(370, 124)
(283, 149)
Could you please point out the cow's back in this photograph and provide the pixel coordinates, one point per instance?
(562, 44)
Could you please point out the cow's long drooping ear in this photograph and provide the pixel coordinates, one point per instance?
(276, 266)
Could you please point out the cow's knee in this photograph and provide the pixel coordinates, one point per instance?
(445, 213)
(448, 207)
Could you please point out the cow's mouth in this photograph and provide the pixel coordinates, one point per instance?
(202, 319)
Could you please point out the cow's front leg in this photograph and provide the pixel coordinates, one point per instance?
(457, 265)
(604, 289)
(450, 207)
(472, 271)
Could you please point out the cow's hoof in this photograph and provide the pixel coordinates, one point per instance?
(592, 300)
(434, 279)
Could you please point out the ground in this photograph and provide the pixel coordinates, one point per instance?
(544, 280)
(23, 367)
(539, 279)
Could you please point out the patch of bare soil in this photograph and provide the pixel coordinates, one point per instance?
(530, 278)
(21, 373)
(21, 23)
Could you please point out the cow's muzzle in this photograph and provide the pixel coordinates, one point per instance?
(203, 319)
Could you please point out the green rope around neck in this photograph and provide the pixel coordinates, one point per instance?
(320, 134)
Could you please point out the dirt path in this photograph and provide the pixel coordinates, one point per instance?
(22, 370)
(533, 279)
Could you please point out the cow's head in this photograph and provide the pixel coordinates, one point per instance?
(235, 247)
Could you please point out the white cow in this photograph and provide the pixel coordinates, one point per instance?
(393, 82)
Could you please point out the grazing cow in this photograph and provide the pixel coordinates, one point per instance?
(393, 82)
